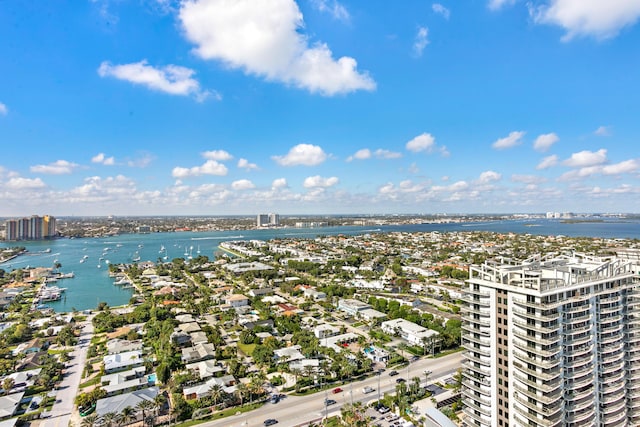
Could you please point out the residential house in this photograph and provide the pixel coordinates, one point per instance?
(409, 331)
(118, 402)
(206, 368)
(198, 391)
(118, 345)
(133, 379)
(198, 352)
(122, 361)
(9, 404)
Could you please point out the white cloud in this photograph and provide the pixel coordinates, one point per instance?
(423, 142)
(302, 154)
(603, 131)
(489, 176)
(242, 184)
(545, 141)
(102, 159)
(171, 79)
(498, 4)
(18, 183)
(361, 154)
(210, 167)
(386, 154)
(627, 166)
(586, 158)
(548, 162)
(245, 164)
(4, 110)
(527, 179)
(264, 38)
(441, 10)
(332, 7)
(279, 183)
(408, 186)
(320, 182)
(420, 41)
(514, 138)
(219, 155)
(142, 161)
(59, 167)
(595, 18)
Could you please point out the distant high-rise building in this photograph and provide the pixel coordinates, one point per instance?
(268, 220)
(553, 342)
(32, 228)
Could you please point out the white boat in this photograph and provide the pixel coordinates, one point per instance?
(82, 260)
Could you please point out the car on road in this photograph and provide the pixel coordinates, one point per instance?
(329, 402)
(414, 358)
(270, 422)
(393, 373)
(275, 398)
(400, 380)
(368, 390)
(336, 390)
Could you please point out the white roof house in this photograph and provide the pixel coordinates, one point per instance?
(121, 361)
(413, 333)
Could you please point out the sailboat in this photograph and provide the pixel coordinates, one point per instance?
(136, 257)
(162, 249)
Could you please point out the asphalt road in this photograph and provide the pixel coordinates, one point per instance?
(300, 410)
(62, 410)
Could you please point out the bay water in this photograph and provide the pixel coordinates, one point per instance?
(88, 258)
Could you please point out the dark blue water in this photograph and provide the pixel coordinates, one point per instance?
(92, 284)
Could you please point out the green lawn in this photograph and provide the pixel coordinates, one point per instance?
(246, 348)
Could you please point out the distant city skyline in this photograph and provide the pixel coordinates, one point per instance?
(166, 107)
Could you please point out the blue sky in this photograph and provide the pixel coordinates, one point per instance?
(222, 107)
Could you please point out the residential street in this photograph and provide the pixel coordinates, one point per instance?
(62, 412)
(299, 410)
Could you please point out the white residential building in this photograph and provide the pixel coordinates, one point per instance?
(409, 331)
(552, 341)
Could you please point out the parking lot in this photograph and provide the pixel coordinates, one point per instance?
(388, 419)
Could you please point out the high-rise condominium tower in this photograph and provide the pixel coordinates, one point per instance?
(553, 341)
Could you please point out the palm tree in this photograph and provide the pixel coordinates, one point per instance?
(109, 418)
(128, 414)
(90, 420)
(215, 391)
(144, 406)
(159, 401)
(426, 377)
(241, 391)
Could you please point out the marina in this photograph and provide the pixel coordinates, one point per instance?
(92, 282)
